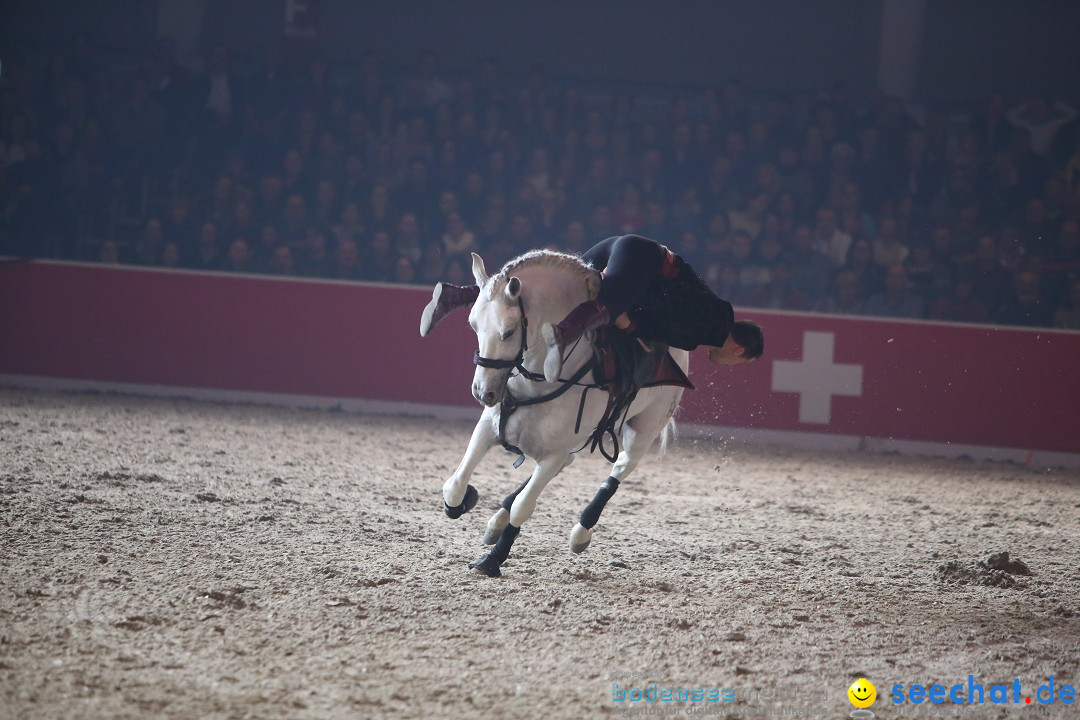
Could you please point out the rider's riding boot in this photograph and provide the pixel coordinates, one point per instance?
(445, 299)
(586, 316)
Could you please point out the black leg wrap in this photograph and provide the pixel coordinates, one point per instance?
(591, 514)
(467, 504)
(502, 548)
(489, 562)
(509, 501)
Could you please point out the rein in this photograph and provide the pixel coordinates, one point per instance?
(510, 404)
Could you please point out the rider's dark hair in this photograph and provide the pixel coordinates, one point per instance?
(750, 336)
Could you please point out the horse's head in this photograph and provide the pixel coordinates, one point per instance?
(497, 319)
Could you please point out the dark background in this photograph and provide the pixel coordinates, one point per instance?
(969, 47)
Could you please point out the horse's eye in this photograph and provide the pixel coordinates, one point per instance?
(507, 336)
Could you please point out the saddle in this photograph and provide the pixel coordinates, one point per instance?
(625, 365)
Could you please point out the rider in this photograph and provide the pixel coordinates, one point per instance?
(646, 290)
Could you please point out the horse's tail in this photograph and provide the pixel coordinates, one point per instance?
(669, 433)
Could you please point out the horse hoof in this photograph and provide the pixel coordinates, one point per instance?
(486, 564)
(467, 504)
(580, 537)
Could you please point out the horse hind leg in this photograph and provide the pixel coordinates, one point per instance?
(498, 521)
(581, 535)
(638, 435)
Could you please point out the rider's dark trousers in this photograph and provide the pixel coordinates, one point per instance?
(631, 264)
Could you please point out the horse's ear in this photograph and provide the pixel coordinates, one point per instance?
(478, 270)
(592, 285)
(513, 289)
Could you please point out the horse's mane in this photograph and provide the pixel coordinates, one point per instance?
(548, 258)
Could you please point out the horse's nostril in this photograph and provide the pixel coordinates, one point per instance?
(489, 398)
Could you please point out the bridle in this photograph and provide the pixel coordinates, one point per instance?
(510, 403)
(516, 362)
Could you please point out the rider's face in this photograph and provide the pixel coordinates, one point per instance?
(730, 353)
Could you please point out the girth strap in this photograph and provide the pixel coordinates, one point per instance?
(510, 404)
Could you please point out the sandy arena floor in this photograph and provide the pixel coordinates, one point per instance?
(175, 559)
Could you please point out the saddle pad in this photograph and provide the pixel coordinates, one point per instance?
(625, 364)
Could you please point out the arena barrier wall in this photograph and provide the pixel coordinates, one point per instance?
(825, 381)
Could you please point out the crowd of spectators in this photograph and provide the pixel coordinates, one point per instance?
(824, 203)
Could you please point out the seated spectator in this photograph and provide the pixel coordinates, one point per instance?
(929, 278)
(1068, 315)
(521, 233)
(1042, 118)
(456, 274)
(889, 248)
(432, 269)
(239, 258)
(347, 261)
(281, 261)
(628, 215)
(404, 271)
(780, 293)
(810, 269)
(149, 245)
(315, 260)
(717, 238)
(179, 225)
(549, 217)
(208, 254)
(1025, 304)
(350, 225)
(992, 281)
(409, 236)
(844, 298)
(750, 216)
(1065, 252)
(242, 222)
(294, 222)
(267, 243)
(574, 238)
(326, 212)
(458, 238)
(379, 259)
(897, 300)
(960, 305)
(270, 201)
(755, 273)
(828, 239)
(109, 253)
(600, 222)
(170, 255)
(378, 213)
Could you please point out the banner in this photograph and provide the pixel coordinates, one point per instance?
(869, 378)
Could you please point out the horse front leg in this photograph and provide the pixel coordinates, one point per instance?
(521, 509)
(459, 497)
(499, 520)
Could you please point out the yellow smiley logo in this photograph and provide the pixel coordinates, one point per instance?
(862, 693)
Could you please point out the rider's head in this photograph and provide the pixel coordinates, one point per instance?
(744, 344)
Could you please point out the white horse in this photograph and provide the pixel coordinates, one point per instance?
(536, 288)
